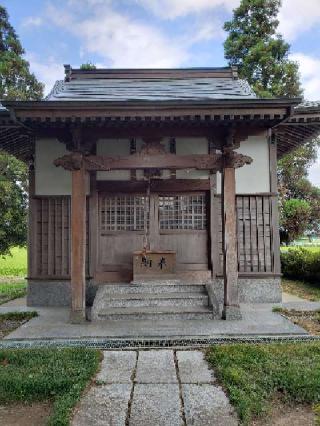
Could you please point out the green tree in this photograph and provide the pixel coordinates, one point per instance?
(259, 52)
(294, 219)
(16, 82)
(261, 55)
(88, 66)
(293, 180)
(13, 203)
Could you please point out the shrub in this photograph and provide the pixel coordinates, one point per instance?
(301, 263)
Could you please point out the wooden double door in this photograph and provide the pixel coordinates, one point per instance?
(168, 221)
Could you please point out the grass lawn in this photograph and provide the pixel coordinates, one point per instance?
(57, 375)
(254, 376)
(305, 290)
(14, 265)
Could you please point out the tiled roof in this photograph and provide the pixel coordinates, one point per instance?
(151, 89)
(308, 106)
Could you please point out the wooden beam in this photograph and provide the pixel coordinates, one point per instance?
(142, 161)
(78, 246)
(231, 308)
(156, 185)
(158, 161)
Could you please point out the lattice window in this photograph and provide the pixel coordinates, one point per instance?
(182, 212)
(123, 213)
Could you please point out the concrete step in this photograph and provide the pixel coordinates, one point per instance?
(152, 299)
(156, 287)
(154, 313)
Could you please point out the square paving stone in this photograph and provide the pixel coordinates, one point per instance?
(155, 405)
(193, 368)
(104, 406)
(117, 367)
(156, 366)
(207, 405)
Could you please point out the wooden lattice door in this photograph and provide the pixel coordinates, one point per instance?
(174, 222)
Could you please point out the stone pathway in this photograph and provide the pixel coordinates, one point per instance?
(154, 388)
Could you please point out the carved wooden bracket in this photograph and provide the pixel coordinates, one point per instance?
(78, 139)
(234, 159)
(71, 162)
(152, 147)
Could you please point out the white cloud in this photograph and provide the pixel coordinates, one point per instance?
(298, 16)
(171, 9)
(122, 41)
(32, 21)
(310, 75)
(47, 71)
(128, 43)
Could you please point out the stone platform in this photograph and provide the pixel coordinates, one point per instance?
(52, 327)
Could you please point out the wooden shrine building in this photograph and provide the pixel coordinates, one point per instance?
(154, 175)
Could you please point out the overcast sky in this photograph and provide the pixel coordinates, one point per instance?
(152, 33)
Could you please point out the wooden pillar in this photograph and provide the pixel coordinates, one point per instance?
(214, 226)
(32, 226)
(231, 308)
(276, 265)
(78, 246)
(93, 223)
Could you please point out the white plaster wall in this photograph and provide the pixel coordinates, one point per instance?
(254, 177)
(49, 179)
(189, 146)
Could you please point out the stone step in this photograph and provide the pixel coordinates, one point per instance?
(153, 281)
(152, 299)
(154, 313)
(156, 287)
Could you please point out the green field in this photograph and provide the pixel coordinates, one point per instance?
(12, 290)
(14, 265)
(13, 270)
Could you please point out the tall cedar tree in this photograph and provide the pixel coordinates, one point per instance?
(261, 55)
(16, 82)
(259, 52)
